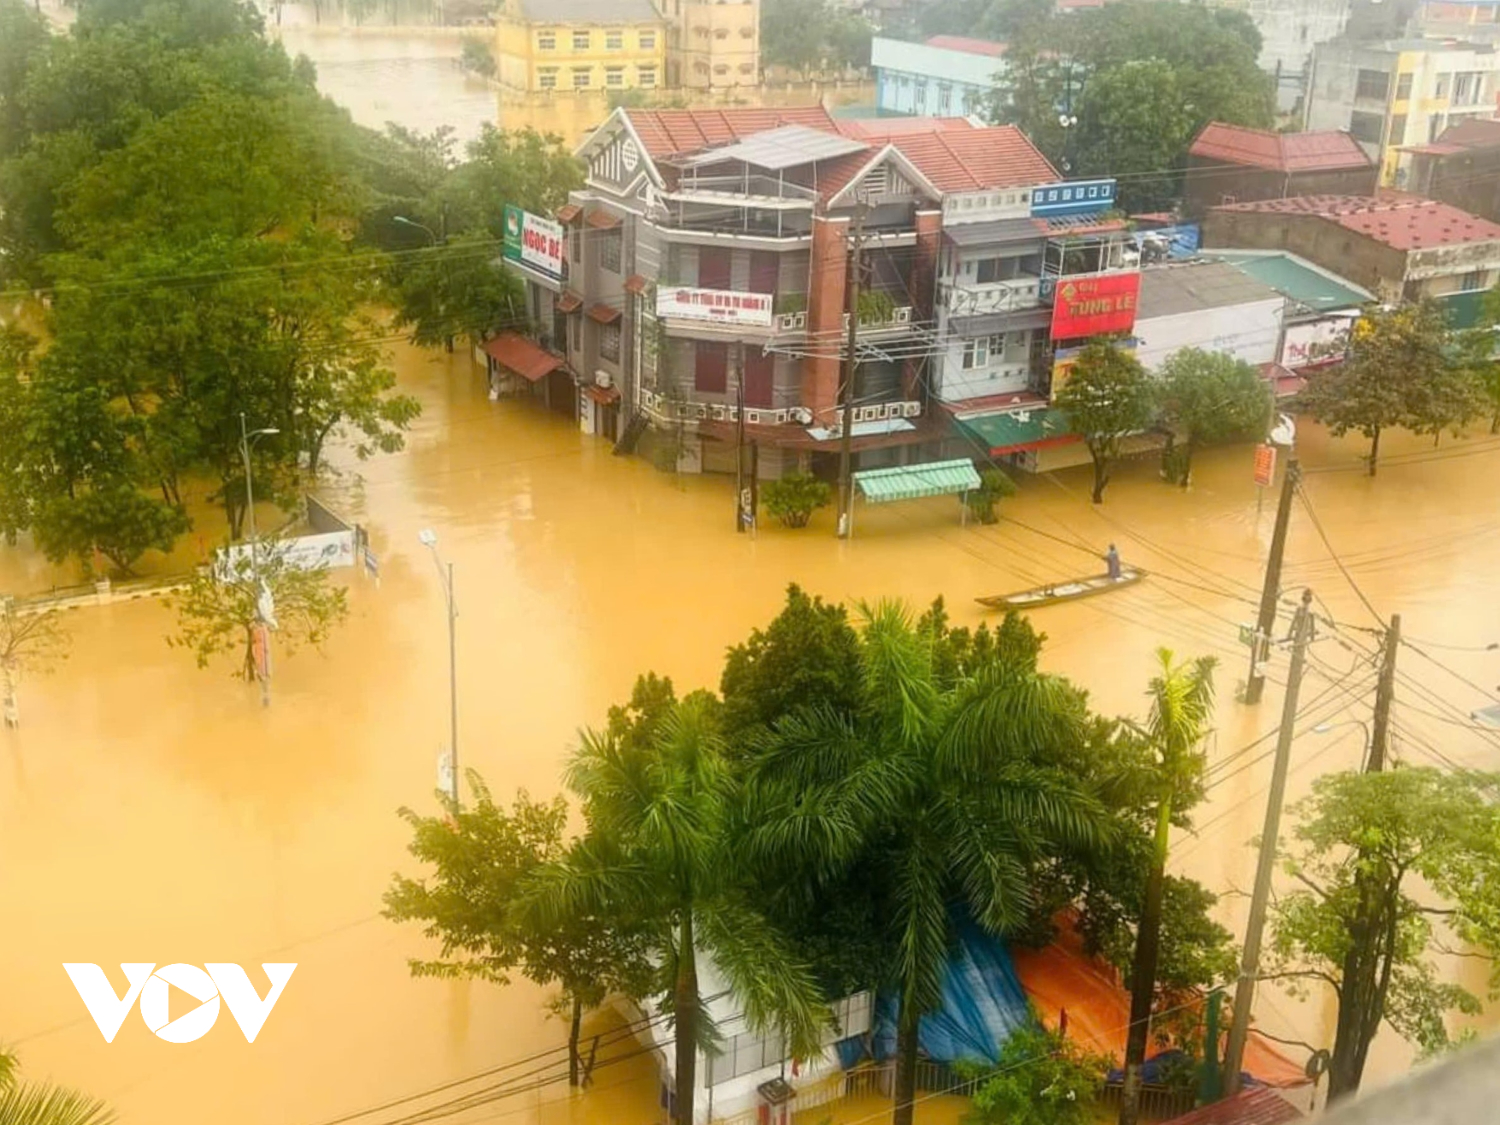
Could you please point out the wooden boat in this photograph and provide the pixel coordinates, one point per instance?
(1068, 591)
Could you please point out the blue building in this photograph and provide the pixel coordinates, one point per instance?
(947, 76)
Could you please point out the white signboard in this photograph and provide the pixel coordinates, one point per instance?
(1322, 341)
(534, 241)
(332, 551)
(718, 306)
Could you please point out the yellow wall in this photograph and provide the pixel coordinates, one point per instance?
(718, 44)
(525, 62)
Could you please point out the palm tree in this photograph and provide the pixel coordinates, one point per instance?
(657, 806)
(1182, 702)
(44, 1105)
(949, 789)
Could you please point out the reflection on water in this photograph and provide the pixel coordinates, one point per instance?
(153, 812)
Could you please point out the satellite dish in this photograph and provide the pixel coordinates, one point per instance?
(1285, 430)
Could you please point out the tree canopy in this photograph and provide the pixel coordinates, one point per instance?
(1203, 398)
(807, 34)
(1107, 397)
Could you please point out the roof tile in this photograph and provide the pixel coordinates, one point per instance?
(1402, 224)
(967, 46)
(675, 132)
(1280, 152)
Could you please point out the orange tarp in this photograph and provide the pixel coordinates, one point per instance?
(1062, 977)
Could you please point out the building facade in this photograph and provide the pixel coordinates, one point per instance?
(583, 45)
(1461, 167)
(1289, 30)
(1233, 164)
(1398, 93)
(948, 74)
(712, 44)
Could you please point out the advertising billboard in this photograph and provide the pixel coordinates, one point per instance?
(717, 306)
(534, 241)
(1095, 304)
(1311, 345)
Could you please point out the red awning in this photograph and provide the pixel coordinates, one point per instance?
(1284, 382)
(568, 213)
(520, 355)
(602, 395)
(1257, 1106)
(604, 314)
(602, 220)
(636, 284)
(569, 302)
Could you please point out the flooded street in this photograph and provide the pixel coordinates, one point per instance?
(150, 811)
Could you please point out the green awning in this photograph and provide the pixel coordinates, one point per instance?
(911, 482)
(1015, 430)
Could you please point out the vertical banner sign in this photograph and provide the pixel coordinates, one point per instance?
(1265, 465)
(1094, 305)
(260, 645)
(533, 241)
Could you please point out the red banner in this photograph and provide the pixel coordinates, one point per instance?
(1265, 465)
(1094, 305)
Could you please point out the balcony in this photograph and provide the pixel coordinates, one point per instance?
(755, 188)
(971, 299)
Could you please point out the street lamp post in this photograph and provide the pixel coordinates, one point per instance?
(1324, 728)
(263, 599)
(405, 222)
(428, 539)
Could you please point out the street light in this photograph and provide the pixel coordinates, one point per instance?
(404, 221)
(1324, 728)
(428, 538)
(264, 609)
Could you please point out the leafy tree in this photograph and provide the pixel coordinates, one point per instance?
(808, 654)
(218, 612)
(942, 787)
(994, 486)
(17, 351)
(1040, 1078)
(657, 793)
(1181, 707)
(483, 856)
(519, 166)
(804, 34)
(477, 56)
(1128, 115)
(30, 1104)
(1106, 398)
(1401, 372)
(1383, 860)
(113, 517)
(458, 289)
(1204, 398)
(29, 642)
(1478, 354)
(795, 496)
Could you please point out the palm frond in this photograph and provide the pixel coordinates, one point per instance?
(1182, 701)
(34, 1104)
(896, 660)
(921, 921)
(1002, 716)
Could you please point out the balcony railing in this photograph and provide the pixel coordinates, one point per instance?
(754, 185)
(665, 409)
(969, 299)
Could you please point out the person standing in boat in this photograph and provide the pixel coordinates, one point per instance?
(1112, 561)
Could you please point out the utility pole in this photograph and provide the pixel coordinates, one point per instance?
(1244, 992)
(1385, 692)
(851, 310)
(1260, 643)
(736, 352)
(264, 609)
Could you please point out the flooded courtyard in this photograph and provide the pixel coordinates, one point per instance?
(150, 811)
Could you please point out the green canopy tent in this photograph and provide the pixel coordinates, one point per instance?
(913, 482)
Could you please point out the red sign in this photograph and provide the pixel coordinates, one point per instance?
(1093, 305)
(1265, 465)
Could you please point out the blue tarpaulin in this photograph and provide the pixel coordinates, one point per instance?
(983, 1002)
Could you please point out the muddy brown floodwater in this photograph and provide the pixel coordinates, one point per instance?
(150, 811)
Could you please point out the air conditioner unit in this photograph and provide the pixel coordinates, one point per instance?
(911, 410)
(803, 416)
(719, 412)
(603, 379)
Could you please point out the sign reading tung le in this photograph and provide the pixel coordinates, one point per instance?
(1094, 305)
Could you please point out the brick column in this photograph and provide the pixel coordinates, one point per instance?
(825, 316)
(922, 284)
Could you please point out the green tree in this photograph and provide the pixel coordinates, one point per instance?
(1478, 354)
(1128, 115)
(795, 496)
(657, 794)
(1181, 708)
(17, 367)
(1107, 397)
(804, 34)
(531, 170)
(943, 787)
(1401, 372)
(482, 857)
(29, 1104)
(1391, 867)
(29, 643)
(113, 517)
(994, 486)
(218, 612)
(477, 56)
(458, 289)
(1204, 398)
(1040, 1078)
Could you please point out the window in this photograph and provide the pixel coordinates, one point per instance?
(1403, 87)
(581, 76)
(1366, 127)
(546, 40)
(614, 40)
(976, 353)
(721, 68)
(1471, 281)
(645, 76)
(609, 342)
(1441, 89)
(546, 78)
(1468, 88)
(944, 98)
(609, 250)
(711, 368)
(580, 40)
(919, 97)
(1398, 130)
(721, 33)
(997, 269)
(1435, 125)
(614, 76)
(648, 40)
(1372, 85)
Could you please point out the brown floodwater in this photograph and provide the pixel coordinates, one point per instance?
(150, 811)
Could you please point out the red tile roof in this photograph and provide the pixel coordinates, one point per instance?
(1472, 132)
(970, 159)
(968, 46)
(1279, 152)
(1402, 224)
(863, 128)
(522, 356)
(669, 132)
(1256, 1106)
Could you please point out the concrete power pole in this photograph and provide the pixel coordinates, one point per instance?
(1385, 692)
(1260, 644)
(851, 365)
(1244, 993)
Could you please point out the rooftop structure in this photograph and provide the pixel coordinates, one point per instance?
(1399, 224)
(1314, 289)
(1279, 152)
(946, 74)
(1175, 288)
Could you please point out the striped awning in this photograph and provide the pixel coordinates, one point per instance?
(912, 482)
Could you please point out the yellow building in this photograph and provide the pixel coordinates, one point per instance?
(565, 45)
(714, 44)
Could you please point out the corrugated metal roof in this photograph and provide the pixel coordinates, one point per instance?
(590, 11)
(996, 231)
(1010, 431)
(1257, 1106)
(1290, 276)
(1184, 287)
(788, 146)
(911, 482)
(966, 45)
(1321, 151)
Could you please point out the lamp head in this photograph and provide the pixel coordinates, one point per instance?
(427, 537)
